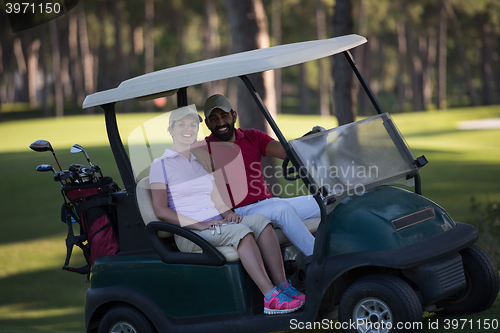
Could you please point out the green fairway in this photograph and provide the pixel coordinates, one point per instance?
(36, 295)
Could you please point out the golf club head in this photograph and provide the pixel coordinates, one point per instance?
(76, 167)
(76, 148)
(45, 167)
(41, 145)
(63, 175)
(96, 169)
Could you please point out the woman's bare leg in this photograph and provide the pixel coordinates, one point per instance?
(271, 253)
(251, 259)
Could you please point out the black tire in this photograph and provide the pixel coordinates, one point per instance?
(124, 319)
(380, 298)
(482, 286)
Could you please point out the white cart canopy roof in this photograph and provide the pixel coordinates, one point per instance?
(160, 82)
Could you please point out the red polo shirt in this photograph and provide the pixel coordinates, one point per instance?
(240, 166)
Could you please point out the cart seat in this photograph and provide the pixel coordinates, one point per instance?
(145, 203)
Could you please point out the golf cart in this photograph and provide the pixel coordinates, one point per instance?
(382, 254)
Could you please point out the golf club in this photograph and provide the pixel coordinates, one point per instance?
(95, 169)
(78, 169)
(45, 167)
(44, 145)
(64, 175)
(76, 148)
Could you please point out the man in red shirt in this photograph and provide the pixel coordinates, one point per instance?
(239, 151)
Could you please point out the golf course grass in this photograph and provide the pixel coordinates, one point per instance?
(36, 295)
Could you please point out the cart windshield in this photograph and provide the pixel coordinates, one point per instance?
(350, 159)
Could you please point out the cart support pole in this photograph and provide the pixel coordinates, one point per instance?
(119, 151)
(182, 97)
(362, 80)
(265, 111)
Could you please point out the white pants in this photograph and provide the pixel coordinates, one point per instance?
(288, 213)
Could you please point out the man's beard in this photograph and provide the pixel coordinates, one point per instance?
(224, 136)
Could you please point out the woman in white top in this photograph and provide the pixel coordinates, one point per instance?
(184, 193)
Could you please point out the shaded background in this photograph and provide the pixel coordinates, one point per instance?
(420, 55)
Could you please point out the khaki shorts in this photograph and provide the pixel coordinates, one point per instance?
(230, 235)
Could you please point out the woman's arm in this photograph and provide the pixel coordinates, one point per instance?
(165, 213)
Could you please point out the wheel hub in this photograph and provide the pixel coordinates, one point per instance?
(122, 327)
(372, 315)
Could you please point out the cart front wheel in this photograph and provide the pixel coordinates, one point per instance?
(481, 275)
(124, 319)
(380, 303)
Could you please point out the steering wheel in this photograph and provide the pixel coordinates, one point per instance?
(287, 171)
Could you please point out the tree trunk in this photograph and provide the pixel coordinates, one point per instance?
(211, 43)
(103, 82)
(249, 30)
(33, 56)
(45, 61)
(322, 63)
(248, 23)
(428, 56)
(461, 52)
(303, 91)
(178, 10)
(415, 69)
(22, 69)
(149, 45)
(149, 40)
(1, 77)
(56, 64)
(276, 33)
(120, 64)
(441, 57)
(75, 63)
(87, 58)
(402, 56)
(344, 89)
(483, 21)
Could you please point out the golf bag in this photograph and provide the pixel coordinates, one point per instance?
(91, 206)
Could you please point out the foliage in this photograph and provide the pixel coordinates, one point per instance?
(487, 221)
(116, 30)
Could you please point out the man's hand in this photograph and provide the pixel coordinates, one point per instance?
(203, 157)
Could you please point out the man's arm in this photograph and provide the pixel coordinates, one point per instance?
(204, 158)
(275, 149)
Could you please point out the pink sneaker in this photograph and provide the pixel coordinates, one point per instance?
(281, 303)
(293, 293)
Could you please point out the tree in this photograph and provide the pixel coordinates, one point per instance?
(323, 79)
(276, 33)
(74, 55)
(402, 50)
(441, 57)
(211, 43)
(56, 64)
(344, 90)
(485, 30)
(461, 52)
(249, 28)
(86, 56)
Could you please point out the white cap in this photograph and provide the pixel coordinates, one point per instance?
(217, 102)
(180, 113)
